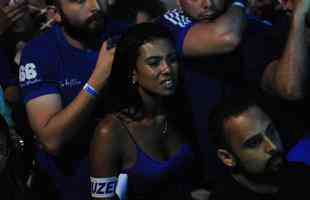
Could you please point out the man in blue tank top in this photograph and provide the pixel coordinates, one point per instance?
(224, 50)
(61, 77)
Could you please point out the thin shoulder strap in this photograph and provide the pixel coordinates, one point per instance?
(118, 118)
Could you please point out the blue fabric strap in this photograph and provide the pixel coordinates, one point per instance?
(90, 90)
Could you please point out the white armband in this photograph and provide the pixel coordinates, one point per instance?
(90, 90)
(122, 185)
(239, 4)
(103, 187)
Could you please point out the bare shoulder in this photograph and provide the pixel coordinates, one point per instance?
(110, 128)
(106, 149)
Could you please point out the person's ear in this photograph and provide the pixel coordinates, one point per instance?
(226, 157)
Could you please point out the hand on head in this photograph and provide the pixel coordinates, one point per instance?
(103, 66)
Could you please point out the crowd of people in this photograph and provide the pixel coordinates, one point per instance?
(154, 99)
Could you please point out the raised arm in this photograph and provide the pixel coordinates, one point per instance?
(55, 124)
(105, 159)
(286, 76)
(216, 37)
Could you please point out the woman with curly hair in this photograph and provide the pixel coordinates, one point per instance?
(148, 136)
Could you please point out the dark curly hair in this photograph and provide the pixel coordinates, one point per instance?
(128, 10)
(231, 106)
(125, 94)
(125, 58)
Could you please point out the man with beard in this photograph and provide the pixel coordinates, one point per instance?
(248, 144)
(225, 50)
(61, 78)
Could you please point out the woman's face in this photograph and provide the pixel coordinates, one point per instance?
(3, 151)
(156, 70)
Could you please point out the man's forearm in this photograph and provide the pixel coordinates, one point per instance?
(232, 23)
(63, 125)
(66, 123)
(291, 70)
(220, 36)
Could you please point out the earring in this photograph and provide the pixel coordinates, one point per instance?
(133, 81)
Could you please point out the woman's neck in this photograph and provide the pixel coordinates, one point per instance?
(152, 105)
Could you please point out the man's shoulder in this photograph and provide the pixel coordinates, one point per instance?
(224, 188)
(39, 59)
(259, 32)
(294, 180)
(43, 43)
(176, 18)
(298, 168)
(256, 24)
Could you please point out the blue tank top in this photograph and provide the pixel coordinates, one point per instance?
(152, 179)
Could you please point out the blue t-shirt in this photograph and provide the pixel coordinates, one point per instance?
(49, 65)
(300, 152)
(209, 79)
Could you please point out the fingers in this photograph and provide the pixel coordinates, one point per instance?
(112, 52)
(104, 45)
(15, 13)
(106, 55)
(4, 22)
(10, 8)
(16, 17)
(106, 48)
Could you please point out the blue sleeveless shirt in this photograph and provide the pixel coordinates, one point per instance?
(153, 179)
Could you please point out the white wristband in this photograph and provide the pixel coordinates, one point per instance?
(122, 185)
(90, 90)
(103, 187)
(239, 4)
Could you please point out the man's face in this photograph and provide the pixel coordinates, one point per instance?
(157, 68)
(203, 9)
(81, 19)
(255, 142)
(79, 13)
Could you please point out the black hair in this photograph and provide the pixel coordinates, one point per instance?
(126, 97)
(128, 10)
(126, 55)
(125, 93)
(154, 8)
(231, 106)
(52, 2)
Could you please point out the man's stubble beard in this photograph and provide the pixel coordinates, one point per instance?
(90, 37)
(270, 174)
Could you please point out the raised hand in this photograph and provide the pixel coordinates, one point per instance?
(103, 67)
(105, 58)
